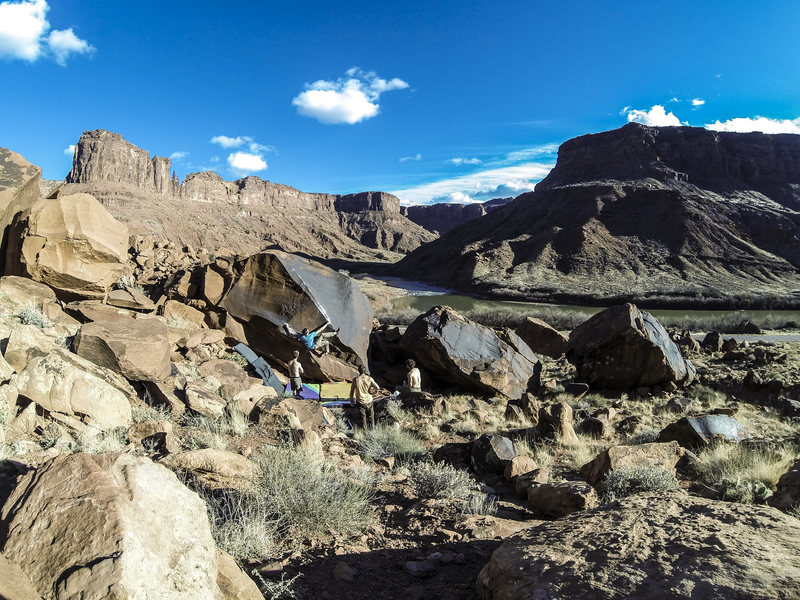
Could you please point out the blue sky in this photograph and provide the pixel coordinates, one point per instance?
(430, 100)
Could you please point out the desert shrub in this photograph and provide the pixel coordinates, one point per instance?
(277, 590)
(742, 474)
(394, 408)
(439, 480)
(384, 441)
(96, 441)
(625, 481)
(30, 314)
(294, 498)
(144, 412)
(647, 436)
(480, 504)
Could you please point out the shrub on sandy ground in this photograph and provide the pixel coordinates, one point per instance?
(626, 481)
(394, 408)
(742, 474)
(96, 441)
(295, 497)
(31, 315)
(203, 432)
(440, 480)
(384, 441)
(480, 504)
(144, 412)
(647, 436)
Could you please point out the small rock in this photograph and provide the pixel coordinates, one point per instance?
(344, 572)
(420, 568)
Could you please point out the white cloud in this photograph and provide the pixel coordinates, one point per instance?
(457, 160)
(64, 42)
(762, 124)
(70, 150)
(178, 155)
(478, 187)
(241, 140)
(657, 116)
(243, 163)
(673, 99)
(698, 102)
(229, 142)
(349, 99)
(24, 34)
(416, 157)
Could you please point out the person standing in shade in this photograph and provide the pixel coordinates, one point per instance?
(413, 377)
(361, 393)
(295, 372)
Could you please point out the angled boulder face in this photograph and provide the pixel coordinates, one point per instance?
(110, 526)
(623, 348)
(695, 432)
(138, 349)
(19, 190)
(542, 338)
(71, 243)
(275, 288)
(63, 383)
(650, 546)
(469, 355)
(492, 453)
(665, 455)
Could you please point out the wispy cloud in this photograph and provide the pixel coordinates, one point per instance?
(762, 124)
(657, 116)
(349, 99)
(179, 155)
(70, 150)
(698, 102)
(417, 157)
(458, 160)
(25, 34)
(477, 187)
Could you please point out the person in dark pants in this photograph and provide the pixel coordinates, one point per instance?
(361, 392)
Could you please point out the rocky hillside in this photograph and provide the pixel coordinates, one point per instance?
(662, 214)
(441, 218)
(244, 216)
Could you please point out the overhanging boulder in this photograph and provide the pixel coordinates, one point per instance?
(19, 190)
(469, 355)
(275, 288)
(623, 348)
(71, 243)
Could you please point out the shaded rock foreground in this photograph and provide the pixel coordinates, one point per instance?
(650, 546)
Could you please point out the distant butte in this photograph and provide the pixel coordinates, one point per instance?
(660, 215)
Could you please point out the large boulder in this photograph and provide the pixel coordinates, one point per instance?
(19, 190)
(542, 338)
(556, 500)
(787, 493)
(696, 432)
(492, 453)
(110, 526)
(63, 383)
(138, 349)
(665, 456)
(72, 243)
(473, 357)
(651, 546)
(624, 348)
(213, 468)
(275, 288)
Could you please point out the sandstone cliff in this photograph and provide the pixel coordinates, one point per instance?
(245, 215)
(646, 213)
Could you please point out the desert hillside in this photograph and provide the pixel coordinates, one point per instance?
(670, 214)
